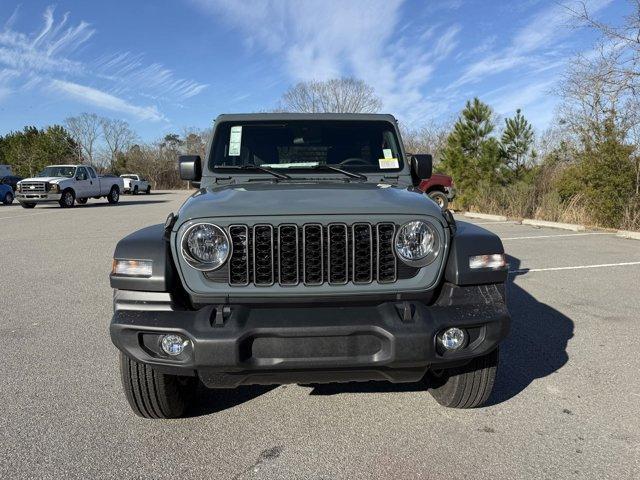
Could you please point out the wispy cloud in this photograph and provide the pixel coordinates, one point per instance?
(530, 45)
(49, 59)
(98, 98)
(363, 38)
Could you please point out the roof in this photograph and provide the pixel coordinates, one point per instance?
(270, 117)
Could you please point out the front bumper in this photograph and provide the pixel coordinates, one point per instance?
(233, 345)
(37, 197)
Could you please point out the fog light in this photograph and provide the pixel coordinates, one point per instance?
(174, 344)
(452, 338)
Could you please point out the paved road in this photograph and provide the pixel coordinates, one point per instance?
(567, 402)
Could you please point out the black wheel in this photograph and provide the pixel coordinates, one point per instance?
(67, 199)
(81, 201)
(8, 198)
(468, 386)
(135, 190)
(27, 205)
(440, 198)
(152, 394)
(148, 190)
(114, 195)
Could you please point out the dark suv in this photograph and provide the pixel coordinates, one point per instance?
(307, 255)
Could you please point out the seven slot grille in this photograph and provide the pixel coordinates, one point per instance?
(312, 254)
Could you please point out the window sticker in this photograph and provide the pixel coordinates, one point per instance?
(388, 163)
(387, 153)
(235, 141)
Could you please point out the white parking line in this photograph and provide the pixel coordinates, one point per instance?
(492, 223)
(561, 235)
(27, 215)
(577, 267)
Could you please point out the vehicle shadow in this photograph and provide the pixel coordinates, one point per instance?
(99, 204)
(215, 400)
(535, 348)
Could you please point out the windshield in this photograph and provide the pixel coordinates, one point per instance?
(57, 172)
(303, 145)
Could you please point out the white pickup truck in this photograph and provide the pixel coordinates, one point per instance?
(68, 184)
(134, 184)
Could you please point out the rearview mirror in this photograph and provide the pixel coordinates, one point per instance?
(421, 166)
(190, 167)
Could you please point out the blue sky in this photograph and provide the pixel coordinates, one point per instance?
(166, 65)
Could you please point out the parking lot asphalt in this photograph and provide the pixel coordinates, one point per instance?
(566, 403)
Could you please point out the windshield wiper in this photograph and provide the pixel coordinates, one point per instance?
(331, 168)
(254, 167)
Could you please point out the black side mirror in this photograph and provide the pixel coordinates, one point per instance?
(190, 167)
(421, 166)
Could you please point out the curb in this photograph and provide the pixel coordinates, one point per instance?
(628, 234)
(486, 216)
(563, 226)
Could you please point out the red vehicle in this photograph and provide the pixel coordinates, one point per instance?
(439, 188)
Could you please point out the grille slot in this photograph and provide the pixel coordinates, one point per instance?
(288, 255)
(239, 262)
(263, 271)
(362, 253)
(313, 254)
(386, 258)
(338, 254)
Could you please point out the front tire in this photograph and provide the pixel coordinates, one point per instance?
(27, 205)
(440, 198)
(67, 199)
(114, 195)
(152, 394)
(468, 386)
(8, 198)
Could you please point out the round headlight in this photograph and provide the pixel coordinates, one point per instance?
(417, 243)
(205, 246)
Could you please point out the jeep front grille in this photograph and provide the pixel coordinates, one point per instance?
(312, 254)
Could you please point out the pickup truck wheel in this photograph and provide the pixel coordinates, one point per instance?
(27, 205)
(67, 199)
(135, 190)
(148, 190)
(152, 394)
(440, 198)
(114, 195)
(81, 201)
(8, 198)
(468, 386)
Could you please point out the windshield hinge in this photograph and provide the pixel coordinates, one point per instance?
(223, 180)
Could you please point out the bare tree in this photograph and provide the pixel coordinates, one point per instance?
(430, 138)
(85, 130)
(118, 137)
(339, 95)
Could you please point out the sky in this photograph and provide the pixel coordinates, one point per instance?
(168, 65)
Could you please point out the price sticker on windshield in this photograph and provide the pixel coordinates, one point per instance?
(386, 163)
(235, 141)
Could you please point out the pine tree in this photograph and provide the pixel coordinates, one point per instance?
(472, 156)
(517, 140)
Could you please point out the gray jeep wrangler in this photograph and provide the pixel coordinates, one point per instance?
(307, 256)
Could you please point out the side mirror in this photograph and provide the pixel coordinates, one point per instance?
(190, 167)
(421, 166)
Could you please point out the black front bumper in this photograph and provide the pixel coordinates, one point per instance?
(233, 345)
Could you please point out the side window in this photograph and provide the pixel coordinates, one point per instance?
(81, 173)
(92, 172)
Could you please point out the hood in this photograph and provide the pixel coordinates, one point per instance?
(325, 198)
(44, 179)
